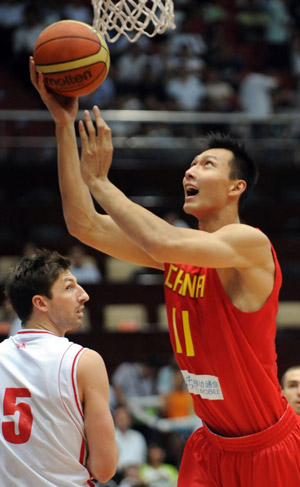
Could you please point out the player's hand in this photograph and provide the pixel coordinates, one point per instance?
(97, 148)
(62, 108)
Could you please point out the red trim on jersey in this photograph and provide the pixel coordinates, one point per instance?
(35, 331)
(82, 452)
(73, 383)
(63, 403)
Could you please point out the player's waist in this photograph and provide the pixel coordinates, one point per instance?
(259, 440)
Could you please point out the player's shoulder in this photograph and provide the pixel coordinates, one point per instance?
(244, 231)
(90, 359)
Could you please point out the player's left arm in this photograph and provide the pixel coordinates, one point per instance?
(232, 246)
(93, 389)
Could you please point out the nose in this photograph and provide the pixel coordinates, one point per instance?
(83, 295)
(188, 174)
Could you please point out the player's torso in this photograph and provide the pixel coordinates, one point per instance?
(227, 357)
(42, 422)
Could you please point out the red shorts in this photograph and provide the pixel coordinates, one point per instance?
(269, 458)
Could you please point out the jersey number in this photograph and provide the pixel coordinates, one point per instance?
(18, 431)
(189, 346)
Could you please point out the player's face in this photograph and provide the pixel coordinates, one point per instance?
(65, 308)
(291, 389)
(207, 183)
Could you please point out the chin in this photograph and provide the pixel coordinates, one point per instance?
(74, 328)
(189, 210)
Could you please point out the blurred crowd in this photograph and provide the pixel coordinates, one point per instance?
(153, 416)
(223, 56)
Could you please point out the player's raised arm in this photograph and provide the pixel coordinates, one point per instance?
(82, 219)
(225, 246)
(75, 194)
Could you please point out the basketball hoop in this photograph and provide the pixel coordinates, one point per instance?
(132, 18)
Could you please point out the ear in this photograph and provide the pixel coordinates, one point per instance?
(238, 187)
(39, 302)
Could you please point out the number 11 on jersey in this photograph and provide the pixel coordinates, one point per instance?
(189, 346)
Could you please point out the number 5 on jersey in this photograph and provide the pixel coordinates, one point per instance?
(17, 430)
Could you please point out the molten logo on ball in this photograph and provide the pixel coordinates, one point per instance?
(68, 80)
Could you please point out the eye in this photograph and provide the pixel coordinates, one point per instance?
(208, 163)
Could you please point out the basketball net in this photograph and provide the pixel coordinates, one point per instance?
(132, 18)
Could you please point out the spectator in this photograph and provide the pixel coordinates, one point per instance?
(290, 383)
(10, 323)
(134, 380)
(132, 477)
(165, 376)
(131, 443)
(194, 41)
(104, 96)
(177, 403)
(157, 473)
(278, 33)
(11, 13)
(24, 37)
(219, 94)
(255, 92)
(84, 267)
(150, 89)
(187, 90)
(130, 67)
(78, 10)
(251, 20)
(193, 63)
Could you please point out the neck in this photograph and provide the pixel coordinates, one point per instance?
(39, 324)
(214, 222)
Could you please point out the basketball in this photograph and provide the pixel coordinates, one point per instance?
(73, 56)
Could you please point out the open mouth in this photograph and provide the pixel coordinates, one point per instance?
(190, 191)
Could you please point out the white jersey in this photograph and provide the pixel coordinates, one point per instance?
(42, 442)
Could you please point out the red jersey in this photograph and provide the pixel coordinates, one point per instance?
(227, 356)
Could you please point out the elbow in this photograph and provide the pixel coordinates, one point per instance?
(71, 224)
(105, 469)
(158, 249)
(104, 474)
(75, 229)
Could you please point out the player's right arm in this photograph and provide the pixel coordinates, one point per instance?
(83, 221)
(93, 389)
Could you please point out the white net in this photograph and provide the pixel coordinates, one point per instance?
(132, 18)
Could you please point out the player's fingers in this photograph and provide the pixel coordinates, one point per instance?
(89, 125)
(37, 78)
(99, 120)
(33, 73)
(104, 131)
(82, 132)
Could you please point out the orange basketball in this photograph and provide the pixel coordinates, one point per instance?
(73, 57)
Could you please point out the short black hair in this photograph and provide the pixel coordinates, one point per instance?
(282, 381)
(34, 274)
(243, 165)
